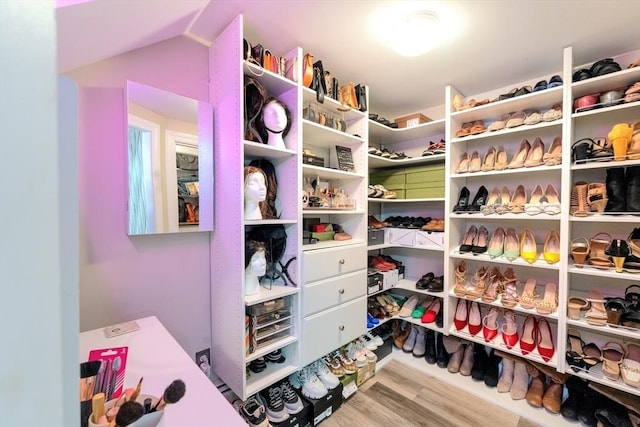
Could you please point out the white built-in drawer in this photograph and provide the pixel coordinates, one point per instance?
(327, 293)
(324, 263)
(333, 328)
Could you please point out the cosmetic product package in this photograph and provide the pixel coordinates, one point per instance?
(110, 379)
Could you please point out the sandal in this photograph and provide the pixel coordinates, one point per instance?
(579, 251)
(581, 150)
(549, 303)
(615, 307)
(510, 298)
(477, 127)
(574, 355)
(598, 244)
(495, 287)
(597, 314)
(464, 130)
(529, 296)
(597, 196)
(601, 150)
(612, 355)
(630, 367)
(575, 305)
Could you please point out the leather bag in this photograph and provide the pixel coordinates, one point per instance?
(257, 53)
(361, 96)
(307, 70)
(347, 95)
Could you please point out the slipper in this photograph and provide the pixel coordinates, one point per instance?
(432, 312)
(408, 307)
(635, 63)
(420, 310)
(541, 85)
(597, 314)
(575, 306)
(499, 124)
(554, 113)
(533, 118)
(612, 355)
(555, 81)
(630, 367)
(516, 119)
(464, 130)
(478, 127)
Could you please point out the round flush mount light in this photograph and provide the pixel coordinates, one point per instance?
(415, 33)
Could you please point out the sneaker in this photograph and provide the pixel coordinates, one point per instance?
(370, 355)
(323, 373)
(356, 355)
(346, 362)
(254, 413)
(272, 400)
(312, 387)
(367, 340)
(334, 366)
(296, 380)
(275, 357)
(375, 338)
(292, 401)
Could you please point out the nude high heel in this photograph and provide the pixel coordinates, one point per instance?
(534, 156)
(553, 156)
(489, 162)
(518, 200)
(502, 161)
(519, 159)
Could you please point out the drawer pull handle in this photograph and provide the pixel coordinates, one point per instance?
(341, 261)
(341, 291)
(341, 327)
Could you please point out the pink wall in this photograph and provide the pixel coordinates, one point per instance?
(121, 277)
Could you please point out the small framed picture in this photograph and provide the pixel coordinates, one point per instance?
(193, 187)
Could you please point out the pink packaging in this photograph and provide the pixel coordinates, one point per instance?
(110, 379)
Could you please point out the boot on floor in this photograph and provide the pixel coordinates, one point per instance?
(506, 377)
(430, 347)
(520, 384)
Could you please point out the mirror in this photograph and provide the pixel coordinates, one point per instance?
(170, 162)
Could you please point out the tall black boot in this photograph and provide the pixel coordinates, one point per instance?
(616, 190)
(633, 188)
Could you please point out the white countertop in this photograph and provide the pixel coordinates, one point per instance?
(155, 355)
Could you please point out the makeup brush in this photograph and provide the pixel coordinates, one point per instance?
(136, 393)
(172, 394)
(97, 407)
(129, 413)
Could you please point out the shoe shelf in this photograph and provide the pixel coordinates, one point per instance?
(263, 351)
(331, 243)
(329, 104)
(249, 222)
(617, 330)
(425, 200)
(273, 372)
(594, 164)
(274, 83)
(500, 134)
(606, 110)
(266, 294)
(382, 162)
(257, 150)
(506, 216)
(587, 270)
(517, 308)
(519, 262)
(499, 345)
(625, 77)
(608, 217)
(330, 211)
(540, 416)
(522, 170)
(391, 245)
(595, 374)
(320, 135)
(387, 135)
(327, 173)
(411, 320)
(410, 285)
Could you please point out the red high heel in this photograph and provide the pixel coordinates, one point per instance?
(530, 335)
(462, 314)
(510, 329)
(490, 325)
(474, 318)
(545, 340)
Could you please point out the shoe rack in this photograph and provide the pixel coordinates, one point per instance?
(232, 152)
(581, 280)
(417, 259)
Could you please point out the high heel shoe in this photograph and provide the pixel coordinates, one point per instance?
(535, 154)
(479, 282)
(492, 199)
(534, 207)
(479, 200)
(496, 244)
(529, 295)
(489, 161)
(502, 205)
(546, 348)
(528, 249)
(553, 156)
(457, 102)
(579, 251)
(529, 338)
(520, 157)
(597, 196)
(480, 242)
(462, 312)
(549, 302)
(551, 250)
(551, 201)
(509, 297)
(579, 204)
(495, 287)
(618, 250)
(463, 201)
(518, 200)
(474, 318)
(510, 329)
(460, 286)
(474, 162)
(469, 237)
(490, 325)
(463, 163)
(511, 245)
(501, 159)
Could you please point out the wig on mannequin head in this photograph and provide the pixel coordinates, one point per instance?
(260, 126)
(272, 187)
(250, 248)
(248, 170)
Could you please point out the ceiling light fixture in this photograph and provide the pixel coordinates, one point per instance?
(416, 33)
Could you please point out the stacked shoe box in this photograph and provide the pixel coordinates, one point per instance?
(322, 408)
(301, 419)
(365, 373)
(374, 281)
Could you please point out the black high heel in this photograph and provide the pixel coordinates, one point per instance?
(463, 201)
(469, 238)
(480, 242)
(479, 200)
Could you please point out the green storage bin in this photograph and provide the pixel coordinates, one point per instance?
(325, 235)
(387, 178)
(425, 174)
(424, 190)
(399, 190)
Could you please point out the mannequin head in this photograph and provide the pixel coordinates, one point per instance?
(275, 118)
(255, 188)
(255, 261)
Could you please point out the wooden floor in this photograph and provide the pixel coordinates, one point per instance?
(401, 396)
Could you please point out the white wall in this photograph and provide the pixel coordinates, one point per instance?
(38, 225)
(122, 277)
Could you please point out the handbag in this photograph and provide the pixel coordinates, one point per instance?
(257, 53)
(318, 83)
(361, 96)
(328, 81)
(347, 95)
(307, 70)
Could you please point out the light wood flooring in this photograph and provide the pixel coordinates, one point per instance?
(401, 396)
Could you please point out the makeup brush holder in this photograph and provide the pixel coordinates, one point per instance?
(152, 419)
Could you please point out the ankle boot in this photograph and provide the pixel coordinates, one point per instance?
(506, 378)
(536, 391)
(520, 384)
(633, 188)
(616, 190)
(410, 342)
(430, 348)
(480, 361)
(467, 361)
(442, 357)
(552, 398)
(493, 368)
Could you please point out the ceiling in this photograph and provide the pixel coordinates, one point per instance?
(493, 43)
